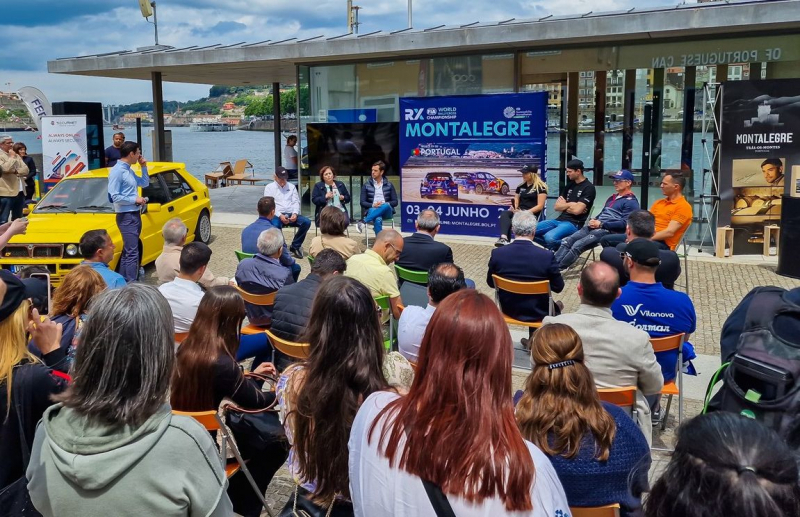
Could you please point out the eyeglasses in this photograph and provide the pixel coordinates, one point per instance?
(394, 248)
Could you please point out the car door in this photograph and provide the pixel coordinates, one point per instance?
(152, 221)
(182, 200)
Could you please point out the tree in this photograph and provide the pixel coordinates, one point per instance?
(217, 91)
(259, 107)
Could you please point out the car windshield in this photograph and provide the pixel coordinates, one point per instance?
(83, 195)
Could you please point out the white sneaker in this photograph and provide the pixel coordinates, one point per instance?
(360, 226)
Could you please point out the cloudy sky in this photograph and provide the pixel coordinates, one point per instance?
(35, 31)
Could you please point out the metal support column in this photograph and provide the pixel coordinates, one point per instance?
(159, 149)
(600, 126)
(628, 116)
(276, 123)
(710, 160)
(656, 121)
(687, 141)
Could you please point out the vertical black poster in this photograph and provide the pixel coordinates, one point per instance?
(760, 157)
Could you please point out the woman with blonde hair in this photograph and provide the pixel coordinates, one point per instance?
(530, 195)
(595, 447)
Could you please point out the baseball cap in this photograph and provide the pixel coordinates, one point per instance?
(575, 164)
(529, 168)
(15, 294)
(622, 175)
(281, 173)
(643, 251)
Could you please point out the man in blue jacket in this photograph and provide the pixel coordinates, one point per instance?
(266, 213)
(378, 199)
(611, 219)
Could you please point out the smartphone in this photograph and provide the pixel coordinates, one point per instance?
(45, 277)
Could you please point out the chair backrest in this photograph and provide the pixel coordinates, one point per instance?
(667, 343)
(622, 397)
(612, 510)
(241, 255)
(257, 299)
(418, 277)
(180, 336)
(207, 419)
(383, 302)
(522, 287)
(241, 166)
(290, 348)
(310, 260)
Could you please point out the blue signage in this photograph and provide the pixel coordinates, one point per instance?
(461, 156)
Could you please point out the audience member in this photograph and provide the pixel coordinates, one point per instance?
(531, 195)
(649, 306)
(403, 447)
(727, 464)
(97, 250)
(33, 174)
(319, 397)
(617, 354)
(420, 250)
(293, 302)
(112, 445)
(600, 455)
(330, 192)
(266, 212)
(575, 204)
(287, 207)
(13, 173)
(184, 293)
(641, 224)
(611, 219)
(378, 199)
(264, 274)
(332, 225)
(443, 280)
(37, 285)
(25, 383)
(673, 214)
(525, 261)
(372, 269)
(168, 263)
(206, 373)
(71, 303)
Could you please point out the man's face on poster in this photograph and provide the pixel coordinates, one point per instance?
(771, 172)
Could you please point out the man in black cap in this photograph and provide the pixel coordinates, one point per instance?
(287, 209)
(575, 203)
(531, 195)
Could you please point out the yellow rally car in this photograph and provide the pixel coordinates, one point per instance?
(80, 203)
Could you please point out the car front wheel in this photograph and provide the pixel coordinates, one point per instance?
(203, 231)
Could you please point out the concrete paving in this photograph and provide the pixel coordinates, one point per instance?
(716, 287)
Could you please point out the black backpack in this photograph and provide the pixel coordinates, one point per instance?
(762, 379)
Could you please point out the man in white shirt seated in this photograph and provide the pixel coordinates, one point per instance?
(168, 263)
(443, 280)
(287, 209)
(184, 293)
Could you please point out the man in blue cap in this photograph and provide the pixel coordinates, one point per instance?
(611, 219)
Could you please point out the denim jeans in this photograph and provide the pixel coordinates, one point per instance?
(378, 214)
(550, 232)
(580, 241)
(11, 208)
(302, 223)
(130, 226)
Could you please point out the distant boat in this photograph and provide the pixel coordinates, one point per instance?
(204, 127)
(117, 127)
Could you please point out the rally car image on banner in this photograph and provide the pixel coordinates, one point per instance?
(438, 184)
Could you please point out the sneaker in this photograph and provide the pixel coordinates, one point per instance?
(656, 417)
(502, 241)
(525, 342)
(297, 252)
(360, 226)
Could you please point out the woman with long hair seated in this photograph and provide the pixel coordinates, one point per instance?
(332, 224)
(727, 464)
(206, 373)
(599, 453)
(454, 434)
(26, 383)
(112, 446)
(330, 192)
(71, 303)
(319, 398)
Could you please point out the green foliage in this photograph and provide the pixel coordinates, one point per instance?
(259, 106)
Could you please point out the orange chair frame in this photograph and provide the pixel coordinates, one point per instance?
(539, 287)
(256, 299)
(611, 510)
(290, 348)
(667, 344)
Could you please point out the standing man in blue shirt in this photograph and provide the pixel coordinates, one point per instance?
(123, 191)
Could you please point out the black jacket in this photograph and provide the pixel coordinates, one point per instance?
(420, 252)
(318, 197)
(293, 307)
(33, 383)
(368, 194)
(523, 260)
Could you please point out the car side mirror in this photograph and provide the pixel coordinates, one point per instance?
(30, 208)
(153, 207)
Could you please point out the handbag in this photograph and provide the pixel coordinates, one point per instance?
(15, 501)
(255, 430)
(301, 506)
(438, 500)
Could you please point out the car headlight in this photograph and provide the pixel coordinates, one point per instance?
(72, 250)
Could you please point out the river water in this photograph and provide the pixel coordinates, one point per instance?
(202, 152)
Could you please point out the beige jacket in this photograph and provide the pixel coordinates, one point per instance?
(12, 170)
(168, 264)
(618, 355)
(346, 246)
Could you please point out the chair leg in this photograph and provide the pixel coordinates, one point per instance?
(666, 413)
(250, 479)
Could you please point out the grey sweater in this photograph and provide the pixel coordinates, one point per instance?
(168, 466)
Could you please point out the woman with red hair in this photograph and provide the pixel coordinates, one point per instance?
(455, 429)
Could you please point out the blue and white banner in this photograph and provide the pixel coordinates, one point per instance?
(461, 156)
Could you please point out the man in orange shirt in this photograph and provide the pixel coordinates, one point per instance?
(673, 215)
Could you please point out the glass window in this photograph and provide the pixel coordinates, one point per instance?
(176, 185)
(155, 192)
